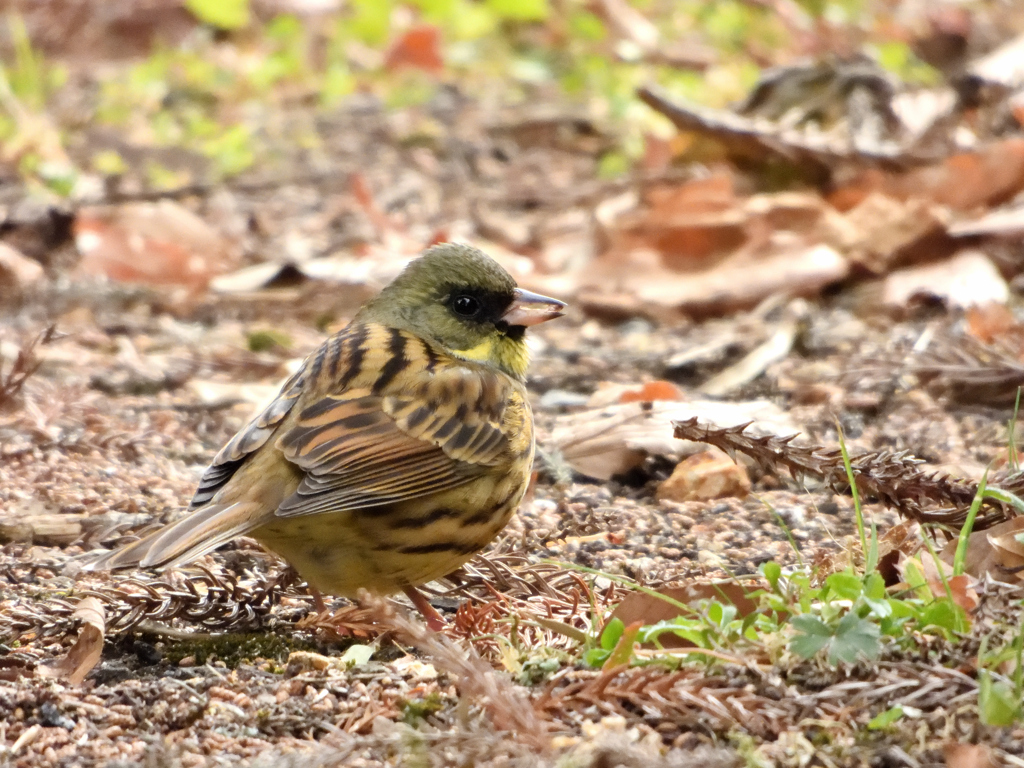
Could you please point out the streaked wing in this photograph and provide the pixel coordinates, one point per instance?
(248, 439)
(361, 450)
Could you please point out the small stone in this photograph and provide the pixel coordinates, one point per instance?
(706, 476)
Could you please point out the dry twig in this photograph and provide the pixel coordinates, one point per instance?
(25, 364)
(894, 478)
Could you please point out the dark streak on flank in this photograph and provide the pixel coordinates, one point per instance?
(460, 547)
(483, 516)
(354, 364)
(423, 521)
(396, 360)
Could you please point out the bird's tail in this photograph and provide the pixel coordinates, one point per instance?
(183, 540)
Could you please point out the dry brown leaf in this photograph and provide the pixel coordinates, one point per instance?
(960, 755)
(1002, 222)
(989, 322)
(881, 231)
(607, 441)
(960, 589)
(968, 279)
(17, 271)
(741, 281)
(902, 540)
(651, 391)
(705, 476)
(990, 175)
(418, 48)
(86, 652)
(995, 551)
(160, 243)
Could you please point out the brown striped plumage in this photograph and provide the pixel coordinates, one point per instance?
(400, 448)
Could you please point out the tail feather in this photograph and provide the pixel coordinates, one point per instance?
(184, 540)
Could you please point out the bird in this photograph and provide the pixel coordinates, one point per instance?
(398, 450)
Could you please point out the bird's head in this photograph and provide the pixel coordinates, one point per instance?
(464, 301)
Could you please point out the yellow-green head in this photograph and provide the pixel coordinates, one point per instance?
(463, 300)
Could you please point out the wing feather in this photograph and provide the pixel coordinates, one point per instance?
(362, 450)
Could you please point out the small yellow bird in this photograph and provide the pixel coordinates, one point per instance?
(398, 451)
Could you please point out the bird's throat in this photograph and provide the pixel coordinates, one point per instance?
(507, 354)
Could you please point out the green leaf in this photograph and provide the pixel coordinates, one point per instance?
(223, 14)
(883, 720)
(623, 651)
(813, 635)
(688, 629)
(596, 657)
(721, 614)
(772, 572)
(587, 26)
(874, 586)
(846, 585)
(965, 531)
(520, 10)
(855, 638)
(371, 21)
(1005, 497)
(611, 634)
(338, 83)
(997, 703)
(881, 609)
(944, 614)
(471, 21)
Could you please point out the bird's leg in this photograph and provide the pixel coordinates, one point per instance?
(434, 619)
(318, 600)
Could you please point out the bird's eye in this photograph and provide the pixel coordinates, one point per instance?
(465, 306)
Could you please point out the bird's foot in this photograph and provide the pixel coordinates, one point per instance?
(429, 613)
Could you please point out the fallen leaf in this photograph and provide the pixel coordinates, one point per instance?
(968, 279)
(418, 48)
(995, 551)
(160, 243)
(881, 231)
(86, 652)
(1001, 222)
(17, 271)
(961, 755)
(989, 175)
(638, 283)
(705, 476)
(989, 322)
(607, 441)
(651, 391)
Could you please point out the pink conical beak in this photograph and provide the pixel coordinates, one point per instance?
(531, 308)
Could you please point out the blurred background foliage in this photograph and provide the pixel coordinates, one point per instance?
(218, 79)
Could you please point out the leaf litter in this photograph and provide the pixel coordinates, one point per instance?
(107, 427)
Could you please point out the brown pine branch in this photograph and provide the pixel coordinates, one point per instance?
(896, 479)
